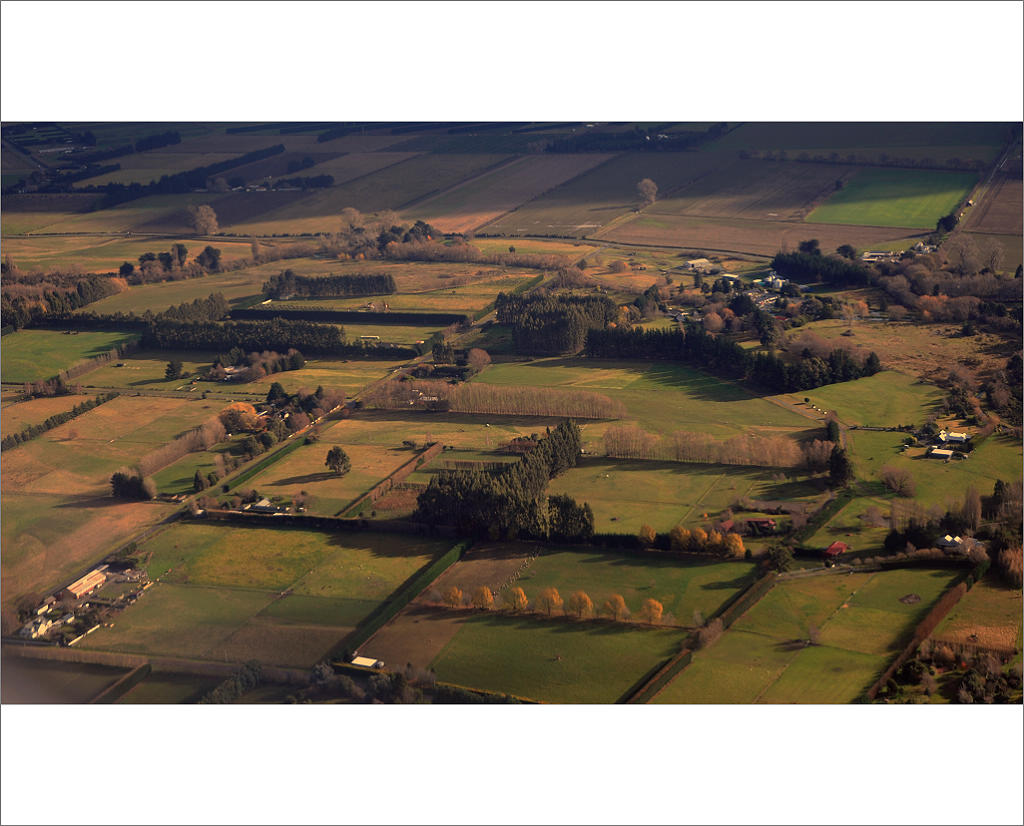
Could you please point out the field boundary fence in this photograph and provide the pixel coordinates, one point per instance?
(398, 475)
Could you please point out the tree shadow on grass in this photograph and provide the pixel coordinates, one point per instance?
(729, 585)
(307, 478)
(92, 500)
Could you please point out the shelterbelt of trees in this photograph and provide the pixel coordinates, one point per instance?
(553, 324)
(329, 286)
(726, 358)
(512, 502)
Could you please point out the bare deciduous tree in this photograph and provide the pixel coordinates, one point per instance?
(648, 191)
(203, 219)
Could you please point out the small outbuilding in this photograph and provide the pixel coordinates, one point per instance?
(940, 453)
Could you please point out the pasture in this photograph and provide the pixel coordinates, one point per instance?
(481, 200)
(764, 657)
(147, 167)
(922, 350)
(103, 254)
(155, 213)
(58, 512)
(660, 397)
(590, 201)
(158, 297)
(886, 399)
(937, 482)
(556, 661)
(989, 615)
(849, 525)
(281, 595)
(32, 355)
(146, 370)
(683, 587)
(625, 494)
(1000, 208)
(909, 198)
(742, 235)
(303, 471)
(169, 688)
(16, 416)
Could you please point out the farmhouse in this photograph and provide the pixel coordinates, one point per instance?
(952, 437)
(264, 506)
(836, 549)
(761, 527)
(940, 453)
(84, 586)
(948, 541)
(699, 264)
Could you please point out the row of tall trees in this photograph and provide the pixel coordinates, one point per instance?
(29, 298)
(550, 602)
(510, 502)
(724, 357)
(276, 334)
(329, 286)
(553, 324)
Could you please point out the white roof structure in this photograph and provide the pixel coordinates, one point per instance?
(940, 453)
(953, 436)
(365, 662)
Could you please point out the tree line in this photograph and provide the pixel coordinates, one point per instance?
(553, 324)
(329, 286)
(276, 334)
(56, 420)
(511, 502)
(29, 298)
(726, 358)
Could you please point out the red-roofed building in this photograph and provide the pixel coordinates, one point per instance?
(835, 549)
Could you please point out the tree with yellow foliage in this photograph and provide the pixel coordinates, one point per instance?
(615, 607)
(699, 539)
(483, 598)
(453, 597)
(680, 538)
(579, 604)
(714, 543)
(239, 416)
(651, 611)
(734, 544)
(549, 601)
(515, 599)
(646, 535)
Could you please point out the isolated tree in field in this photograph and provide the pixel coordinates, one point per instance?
(515, 599)
(615, 607)
(483, 599)
(579, 604)
(618, 265)
(239, 416)
(847, 251)
(648, 192)
(651, 611)
(549, 601)
(898, 480)
(646, 535)
(338, 461)
(453, 597)
(173, 370)
(832, 430)
(203, 219)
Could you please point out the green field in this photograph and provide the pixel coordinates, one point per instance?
(169, 688)
(30, 355)
(886, 399)
(283, 596)
(988, 615)
(158, 297)
(626, 494)
(553, 661)
(763, 657)
(895, 198)
(937, 482)
(681, 587)
(661, 397)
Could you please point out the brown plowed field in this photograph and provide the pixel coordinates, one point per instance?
(1001, 210)
(744, 236)
(476, 202)
(771, 190)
